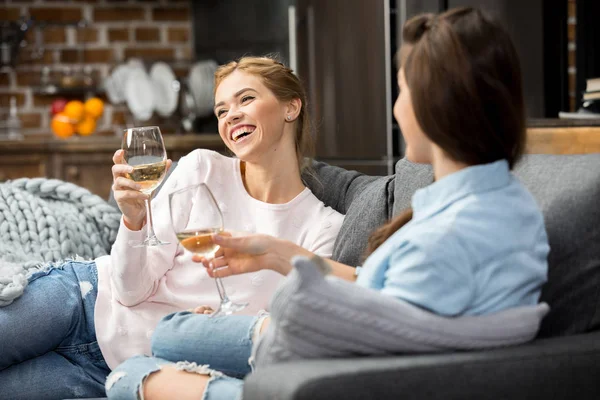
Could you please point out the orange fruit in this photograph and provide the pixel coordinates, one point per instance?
(94, 107)
(74, 110)
(87, 126)
(61, 126)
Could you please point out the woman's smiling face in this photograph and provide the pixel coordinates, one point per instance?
(251, 119)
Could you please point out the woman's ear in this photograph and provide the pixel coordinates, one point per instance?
(292, 110)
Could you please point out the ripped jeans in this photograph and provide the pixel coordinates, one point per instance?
(219, 347)
(48, 347)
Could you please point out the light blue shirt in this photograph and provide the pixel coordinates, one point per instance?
(476, 245)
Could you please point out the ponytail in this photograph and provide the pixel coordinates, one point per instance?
(385, 231)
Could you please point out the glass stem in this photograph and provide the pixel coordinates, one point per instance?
(221, 288)
(150, 231)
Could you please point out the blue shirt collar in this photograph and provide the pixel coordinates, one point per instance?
(471, 180)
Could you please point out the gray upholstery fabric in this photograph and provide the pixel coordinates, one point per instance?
(568, 191)
(557, 368)
(365, 200)
(567, 188)
(313, 316)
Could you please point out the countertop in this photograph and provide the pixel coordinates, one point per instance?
(173, 142)
(560, 122)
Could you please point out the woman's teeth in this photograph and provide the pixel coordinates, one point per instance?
(241, 133)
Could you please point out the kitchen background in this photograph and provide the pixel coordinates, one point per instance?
(342, 49)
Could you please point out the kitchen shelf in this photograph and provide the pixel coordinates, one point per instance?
(53, 90)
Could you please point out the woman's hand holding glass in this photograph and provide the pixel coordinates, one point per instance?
(127, 194)
(145, 157)
(251, 253)
(195, 218)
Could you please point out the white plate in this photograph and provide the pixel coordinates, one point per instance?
(166, 98)
(201, 82)
(139, 94)
(115, 84)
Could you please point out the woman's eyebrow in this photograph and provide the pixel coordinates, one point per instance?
(239, 92)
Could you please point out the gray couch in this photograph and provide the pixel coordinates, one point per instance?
(563, 363)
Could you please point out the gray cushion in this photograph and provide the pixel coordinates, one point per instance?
(567, 188)
(313, 316)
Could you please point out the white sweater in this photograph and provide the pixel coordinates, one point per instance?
(139, 286)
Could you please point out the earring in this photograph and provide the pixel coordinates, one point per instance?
(289, 117)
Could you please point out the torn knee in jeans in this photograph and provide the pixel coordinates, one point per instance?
(255, 331)
(113, 378)
(127, 381)
(198, 369)
(192, 367)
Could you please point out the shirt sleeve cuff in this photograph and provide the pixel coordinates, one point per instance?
(125, 234)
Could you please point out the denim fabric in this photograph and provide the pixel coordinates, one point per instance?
(213, 346)
(48, 346)
(223, 343)
(125, 381)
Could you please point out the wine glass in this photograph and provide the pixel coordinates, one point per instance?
(195, 217)
(144, 150)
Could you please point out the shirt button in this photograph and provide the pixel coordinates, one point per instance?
(122, 330)
(149, 333)
(326, 224)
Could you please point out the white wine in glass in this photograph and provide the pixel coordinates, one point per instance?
(196, 217)
(144, 150)
(149, 176)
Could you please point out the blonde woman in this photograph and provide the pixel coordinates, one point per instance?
(76, 322)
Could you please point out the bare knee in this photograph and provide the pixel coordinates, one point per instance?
(171, 383)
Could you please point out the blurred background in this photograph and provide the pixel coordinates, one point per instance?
(71, 69)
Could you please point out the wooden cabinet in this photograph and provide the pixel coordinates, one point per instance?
(85, 161)
(345, 59)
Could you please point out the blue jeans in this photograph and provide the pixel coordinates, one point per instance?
(48, 347)
(219, 347)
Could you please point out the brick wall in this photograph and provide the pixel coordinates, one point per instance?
(117, 30)
(572, 71)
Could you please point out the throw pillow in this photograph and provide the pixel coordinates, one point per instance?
(314, 316)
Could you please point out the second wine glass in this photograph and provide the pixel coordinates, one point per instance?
(195, 217)
(144, 150)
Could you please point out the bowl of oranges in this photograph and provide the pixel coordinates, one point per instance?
(75, 117)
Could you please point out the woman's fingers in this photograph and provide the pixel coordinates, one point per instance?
(241, 244)
(119, 157)
(219, 264)
(219, 253)
(122, 183)
(121, 170)
(220, 270)
(202, 310)
(130, 195)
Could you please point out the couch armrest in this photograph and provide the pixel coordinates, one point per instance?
(557, 368)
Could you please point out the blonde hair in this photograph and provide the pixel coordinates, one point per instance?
(285, 86)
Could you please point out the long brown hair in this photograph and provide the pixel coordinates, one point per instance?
(464, 77)
(285, 86)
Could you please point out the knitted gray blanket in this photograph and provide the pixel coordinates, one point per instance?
(47, 220)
